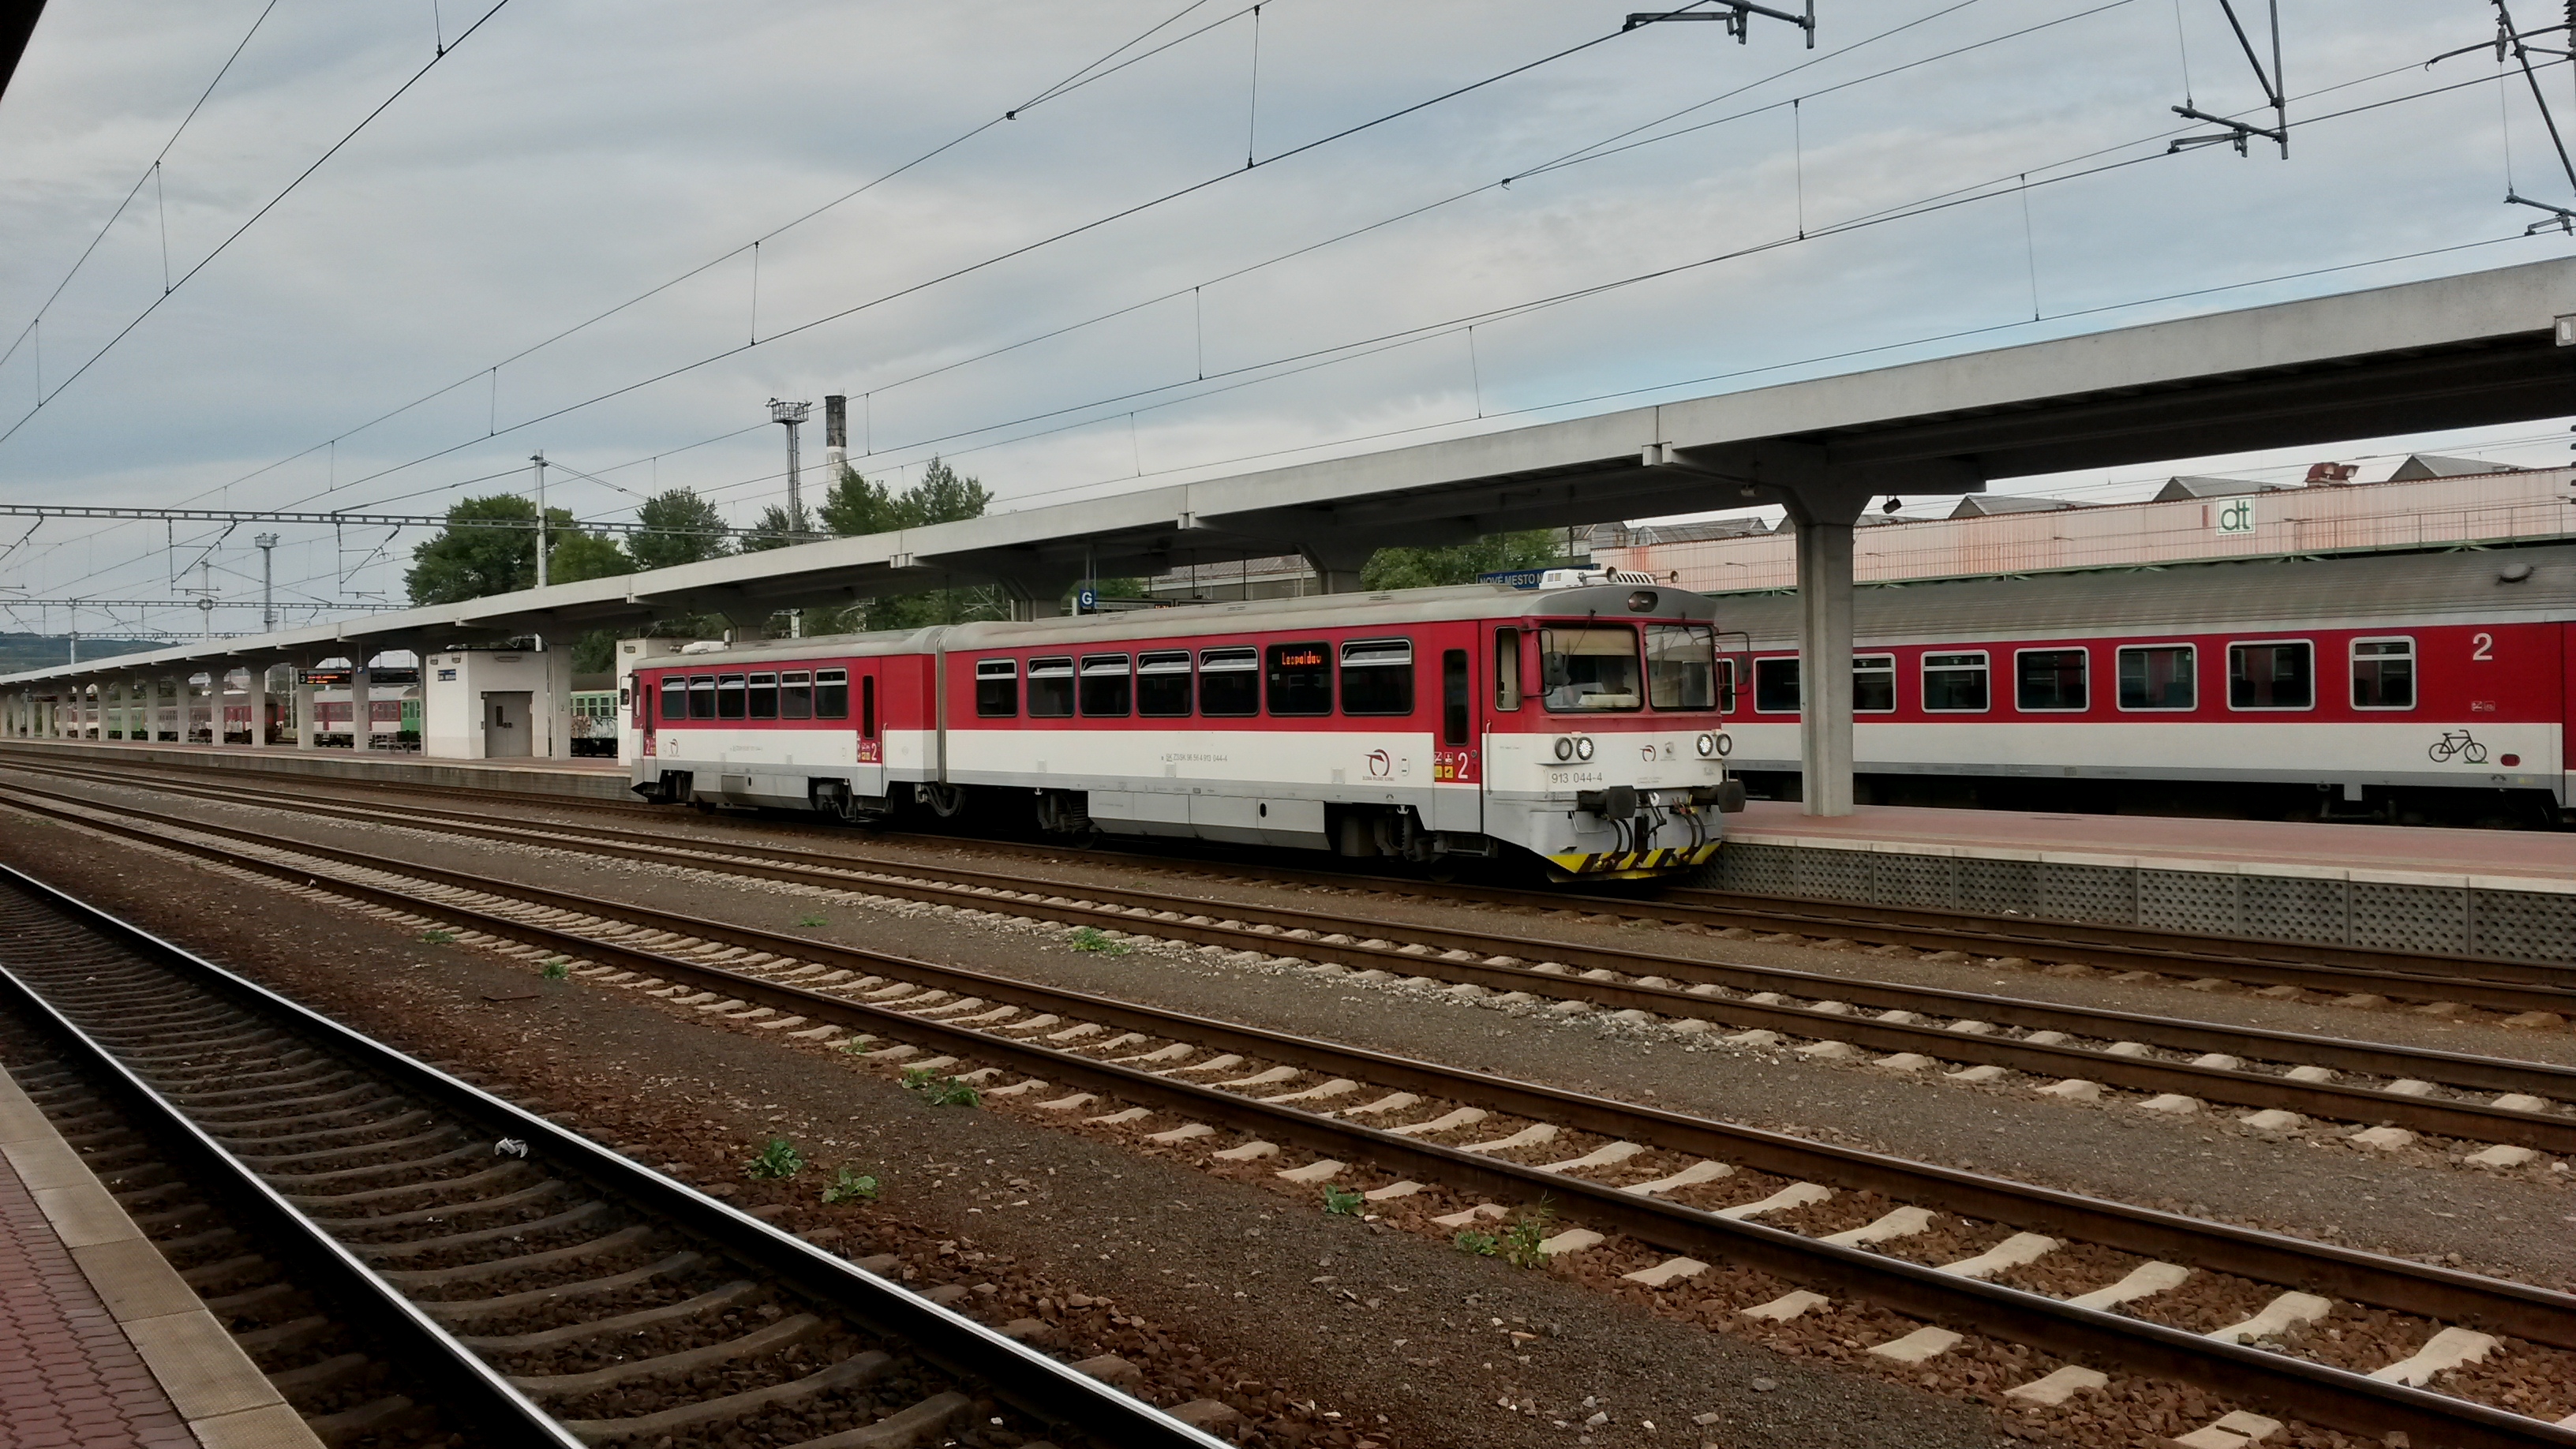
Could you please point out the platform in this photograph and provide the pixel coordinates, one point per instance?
(590, 779)
(2498, 894)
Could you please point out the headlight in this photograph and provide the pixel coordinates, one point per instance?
(1725, 745)
(1564, 748)
(1707, 745)
(1583, 748)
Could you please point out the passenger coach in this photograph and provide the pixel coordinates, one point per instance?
(1578, 723)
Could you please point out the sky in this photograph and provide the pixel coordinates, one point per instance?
(395, 250)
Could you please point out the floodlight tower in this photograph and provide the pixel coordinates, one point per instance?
(792, 415)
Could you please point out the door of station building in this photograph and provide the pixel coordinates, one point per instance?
(1458, 751)
(506, 735)
(868, 718)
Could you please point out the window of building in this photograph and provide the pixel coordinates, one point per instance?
(1377, 676)
(831, 694)
(1590, 668)
(2383, 674)
(1108, 685)
(1301, 679)
(2273, 674)
(1051, 688)
(1681, 666)
(702, 696)
(2050, 679)
(796, 695)
(729, 696)
(1456, 693)
(1163, 684)
(764, 696)
(2159, 676)
(675, 697)
(1229, 683)
(1775, 685)
(997, 688)
(1954, 684)
(1873, 684)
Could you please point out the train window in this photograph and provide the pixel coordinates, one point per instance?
(1229, 683)
(1507, 669)
(1590, 668)
(2383, 674)
(2050, 679)
(1954, 683)
(675, 697)
(867, 706)
(1873, 684)
(796, 695)
(2159, 676)
(729, 693)
(2274, 674)
(702, 697)
(764, 696)
(1377, 676)
(1050, 688)
(1108, 685)
(1163, 684)
(997, 688)
(1301, 678)
(1681, 666)
(1454, 697)
(1775, 685)
(1726, 685)
(831, 694)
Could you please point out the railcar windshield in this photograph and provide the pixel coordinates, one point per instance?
(1681, 666)
(1589, 668)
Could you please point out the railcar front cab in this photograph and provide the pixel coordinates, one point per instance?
(1609, 736)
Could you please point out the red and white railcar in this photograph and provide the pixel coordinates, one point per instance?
(1578, 723)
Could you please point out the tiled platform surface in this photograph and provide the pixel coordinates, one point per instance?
(585, 779)
(102, 1345)
(2499, 895)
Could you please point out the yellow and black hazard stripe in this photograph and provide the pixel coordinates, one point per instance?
(1632, 864)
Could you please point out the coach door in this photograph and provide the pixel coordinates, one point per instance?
(1458, 757)
(867, 718)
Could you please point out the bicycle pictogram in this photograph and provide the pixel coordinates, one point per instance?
(2457, 745)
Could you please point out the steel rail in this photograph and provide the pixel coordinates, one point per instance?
(1015, 1373)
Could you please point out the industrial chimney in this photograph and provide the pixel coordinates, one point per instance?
(836, 433)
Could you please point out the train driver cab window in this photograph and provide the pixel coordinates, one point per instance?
(675, 698)
(1589, 668)
(796, 694)
(1507, 670)
(1163, 684)
(1377, 676)
(2383, 674)
(1681, 666)
(729, 696)
(764, 696)
(2278, 674)
(1108, 685)
(997, 688)
(702, 696)
(1954, 684)
(1229, 683)
(1300, 679)
(1051, 688)
(2159, 676)
(2046, 680)
(1873, 684)
(831, 694)
(1726, 685)
(1775, 685)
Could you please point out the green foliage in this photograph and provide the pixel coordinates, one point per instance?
(941, 1089)
(1482, 1245)
(695, 538)
(440, 937)
(1342, 1202)
(777, 528)
(1089, 938)
(573, 557)
(470, 563)
(556, 969)
(1422, 568)
(850, 1185)
(779, 1159)
(810, 920)
(856, 505)
(1521, 1239)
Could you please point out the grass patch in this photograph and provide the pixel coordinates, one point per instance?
(556, 969)
(1521, 1239)
(850, 1185)
(941, 1089)
(439, 937)
(779, 1159)
(1342, 1202)
(811, 921)
(1482, 1245)
(1090, 938)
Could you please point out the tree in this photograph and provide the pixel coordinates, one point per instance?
(697, 531)
(944, 496)
(572, 556)
(467, 562)
(1422, 568)
(854, 506)
(776, 528)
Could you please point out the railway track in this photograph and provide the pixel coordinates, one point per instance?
(555, 1292)
(2081, 1287)
(2181, 1065)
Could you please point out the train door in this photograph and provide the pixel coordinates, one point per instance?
(867, 716)
(1458, 757)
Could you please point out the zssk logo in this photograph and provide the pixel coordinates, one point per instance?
(1380, 766)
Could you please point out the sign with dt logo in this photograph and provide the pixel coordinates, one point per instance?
(2236, 515)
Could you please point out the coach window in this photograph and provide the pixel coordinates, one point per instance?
(1775, 685)
(2049, 680)
(764, 696)
(1229, 683)
(1590, 669)
(1954, 684)
(1507, 669)
(1108, 685)
(2274, 674)
(1681, 666)
(728, 696)
(1301, 679)
(1873, 684)
(831, 694)
(997, 688)
(796, 695)
(1457, 691)
(702, 696)
(1163, 684)
(675, 698)
(2159, 676)
(2383, 674)
(1377, 676)
(1051, 688)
